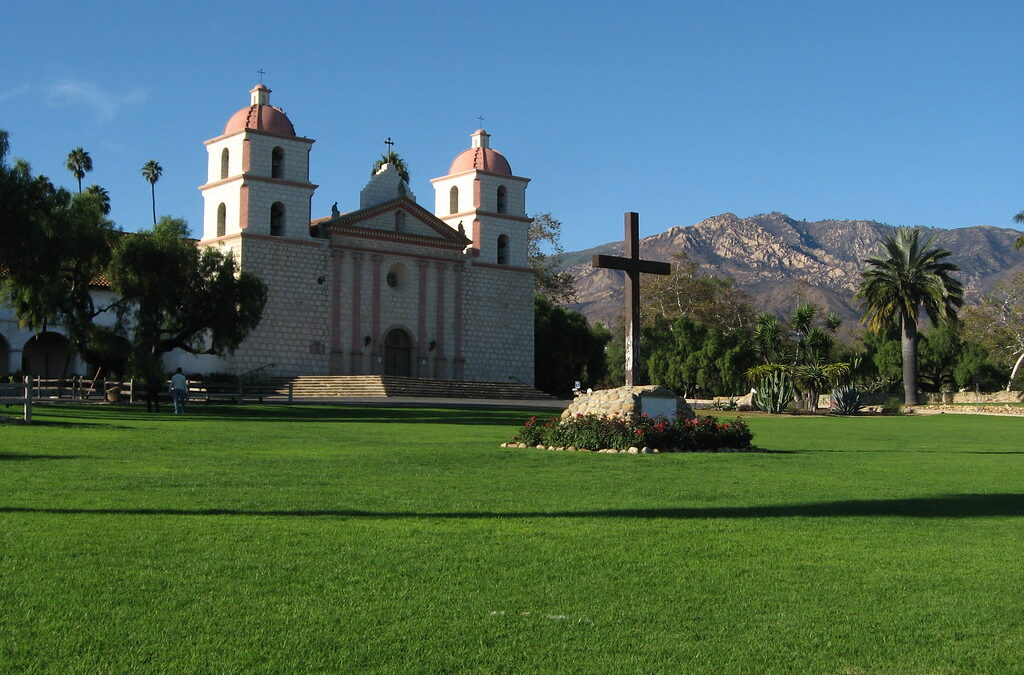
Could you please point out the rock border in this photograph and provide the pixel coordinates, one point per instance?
(630, 451)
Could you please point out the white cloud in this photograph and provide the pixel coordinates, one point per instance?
(104, 104)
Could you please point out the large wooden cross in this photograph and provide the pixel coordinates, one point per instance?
(633, 266)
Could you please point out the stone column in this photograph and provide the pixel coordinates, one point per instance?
(336, 358)
(377, 343)
(421, 321)
(440, 362)
(356, 353)
(458, 363)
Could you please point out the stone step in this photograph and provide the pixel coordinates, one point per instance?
(382, 386)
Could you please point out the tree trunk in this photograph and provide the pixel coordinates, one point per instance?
(1013, 374)
(909, 340)
(152, 192)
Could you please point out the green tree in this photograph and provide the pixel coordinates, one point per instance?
(566, 349)
(179, 296)
(544, 252)
(102, 197)
(939, 352)
(896, 285)
(152, 171)
(974, 370)
(1019, 219)
(689, 356)
(395, 160)
(78, 163)
(51, 281)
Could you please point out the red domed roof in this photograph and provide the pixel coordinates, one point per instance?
(260, 115)
(262, 118)
(482, 159)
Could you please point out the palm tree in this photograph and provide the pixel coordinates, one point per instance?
(151, 171)
(78, 163)
(895, 286)
(1019, 218)
(101, 194)
(395, 160)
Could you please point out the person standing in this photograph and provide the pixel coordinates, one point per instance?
(179, 391)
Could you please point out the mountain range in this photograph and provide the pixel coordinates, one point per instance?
(781, 261)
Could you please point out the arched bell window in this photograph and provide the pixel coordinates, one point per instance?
(222, 220)
(277, 220)
(277, 163)
(502, 249)
(453, 200)
(225, 164)
(502, 199)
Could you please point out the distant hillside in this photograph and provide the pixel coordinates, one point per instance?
(779, 260)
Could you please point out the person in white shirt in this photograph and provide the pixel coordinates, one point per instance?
(179, 391)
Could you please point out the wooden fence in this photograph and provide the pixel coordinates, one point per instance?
(79, 388)
(18, 393)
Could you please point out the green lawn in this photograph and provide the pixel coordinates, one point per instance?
(316, 539)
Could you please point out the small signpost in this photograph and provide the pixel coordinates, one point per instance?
(633, 266)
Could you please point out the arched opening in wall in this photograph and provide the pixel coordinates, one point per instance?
(399, 221)
(277, 220)
(397, 353)
(453, 200)
(502, 199)
(5, 356)
(225, 157)
(222, 220)
(502, 249)
(277, 163)
(45, 355)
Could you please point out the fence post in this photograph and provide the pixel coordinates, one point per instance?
(290, 391)
(28, 400)
(131, 390)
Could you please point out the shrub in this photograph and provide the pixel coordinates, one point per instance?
(595, 432)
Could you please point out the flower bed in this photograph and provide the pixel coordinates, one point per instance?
(635, 434)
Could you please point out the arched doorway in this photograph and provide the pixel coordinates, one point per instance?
(397, 353)
(5, 356)
(45, 354)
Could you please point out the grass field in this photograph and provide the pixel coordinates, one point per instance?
(307, 539)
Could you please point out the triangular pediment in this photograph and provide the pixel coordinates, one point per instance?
(416, 225)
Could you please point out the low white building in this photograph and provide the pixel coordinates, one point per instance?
(390, 288)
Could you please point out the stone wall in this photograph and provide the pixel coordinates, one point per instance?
(293, 333)
(498, 325)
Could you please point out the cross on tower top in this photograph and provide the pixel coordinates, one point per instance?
(389, 143)
(481, 118)
(633, 266)
(261, 73)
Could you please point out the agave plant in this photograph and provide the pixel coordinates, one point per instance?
(774, 392)
(845, 400)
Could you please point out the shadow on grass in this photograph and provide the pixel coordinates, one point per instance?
(946, 506)
(320, 413)
(18, 457)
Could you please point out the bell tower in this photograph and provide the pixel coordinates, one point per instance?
(481, 196)
(257, 175)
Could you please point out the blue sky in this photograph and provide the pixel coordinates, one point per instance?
(904, 112)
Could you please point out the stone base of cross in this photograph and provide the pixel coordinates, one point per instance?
(633, 266)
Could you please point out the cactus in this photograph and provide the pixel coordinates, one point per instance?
(844, 400)
(774, 392)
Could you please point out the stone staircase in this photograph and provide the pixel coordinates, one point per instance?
(385, 386)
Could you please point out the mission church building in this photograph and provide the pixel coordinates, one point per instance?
(390, 288)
